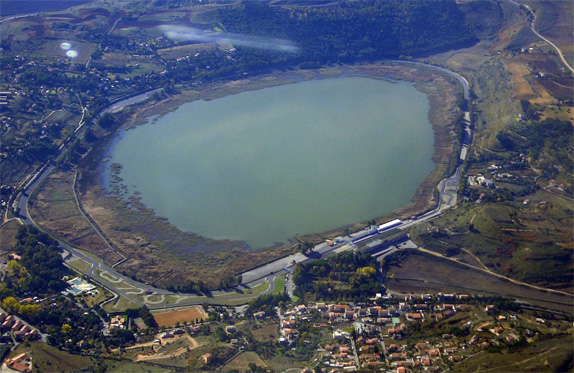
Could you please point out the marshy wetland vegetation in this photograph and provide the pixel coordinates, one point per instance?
(509, 235)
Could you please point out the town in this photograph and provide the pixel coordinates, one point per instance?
(475, 274)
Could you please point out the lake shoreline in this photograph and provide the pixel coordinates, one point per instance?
(156, 234)
(262, 165)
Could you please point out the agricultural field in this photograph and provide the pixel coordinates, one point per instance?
(46, 358)
(180, 316)
(553, 355)
(417, 272)
(530, 242)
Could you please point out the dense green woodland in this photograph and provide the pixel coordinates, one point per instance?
(346, 33)
(41, 268)
(355, 31)
(345, 276)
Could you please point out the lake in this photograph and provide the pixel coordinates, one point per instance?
(262, 166)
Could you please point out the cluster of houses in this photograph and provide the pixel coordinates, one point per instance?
(17, 327)
(374, 336)
(21, 363)
(480, 180)
(290, 321)
(169, 334)
(118, 322)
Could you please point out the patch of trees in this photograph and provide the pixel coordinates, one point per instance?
(532, 112)
(119, 338)
(106, 121)
(38, 150)
(348, 276)
(39, 273)
(549, 143)
(348, 32)
(307, 342)
(42, 261)
(230, 282)
(67, 324)
(267, 303)
(190, 286)
(351, 31)
(37, 76)
(145, 315)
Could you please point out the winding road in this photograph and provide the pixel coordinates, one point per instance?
(129, 289)
(558, 50)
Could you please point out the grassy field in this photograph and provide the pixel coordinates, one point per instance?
(8, 236)
(80, 265)
(553, 355)
(264, 332)
(241, 362)
(530, 243)
(421, 273)
(99, 295)
(49, 359)
(279, 285)
(495, 107)
(51, 48)
(119, 305)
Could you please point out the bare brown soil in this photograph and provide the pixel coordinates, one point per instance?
(188, 315)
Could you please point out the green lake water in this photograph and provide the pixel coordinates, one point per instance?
(262, 166)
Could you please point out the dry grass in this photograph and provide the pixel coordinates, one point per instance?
(241, 362)
(49, 359)
(265, 333)
(8, 236)
(421, 273)
(54, 209)
(520, 86)
(183, 50)
(189, 315)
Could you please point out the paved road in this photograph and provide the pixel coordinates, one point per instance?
(16, 17)
(543, 38)
(22, 202)
(118, 105)
(251, 278)
(463, 82)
